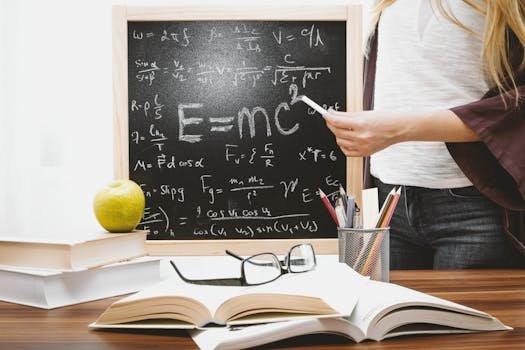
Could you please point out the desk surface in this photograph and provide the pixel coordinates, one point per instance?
(498, 292)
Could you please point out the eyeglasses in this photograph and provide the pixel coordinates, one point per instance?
(263, 268)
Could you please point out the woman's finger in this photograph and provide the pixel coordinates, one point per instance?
(340, 113)
(341, 133)
(340, 121)
(344, 143)
(351, 152)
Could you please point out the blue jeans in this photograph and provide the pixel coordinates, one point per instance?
(447, 229)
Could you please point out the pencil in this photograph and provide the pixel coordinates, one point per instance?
(372, 255)
(328, 206)
(391, 209)
(376, 246)
(384, 209)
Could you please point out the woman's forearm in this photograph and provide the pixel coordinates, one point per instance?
(441, 125)
(361, 134)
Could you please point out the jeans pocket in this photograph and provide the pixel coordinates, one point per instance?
(469, 192)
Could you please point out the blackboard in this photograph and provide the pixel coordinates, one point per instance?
(216, 137)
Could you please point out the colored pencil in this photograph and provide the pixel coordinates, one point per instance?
(328, 206)
(391, 209)
(384, 208)
(371, 260)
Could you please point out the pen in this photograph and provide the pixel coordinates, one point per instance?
(357, 217)
(344, 197)
(328, 206)
(350, 205)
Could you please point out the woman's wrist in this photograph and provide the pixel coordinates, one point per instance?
(407, 127)
(438, 125)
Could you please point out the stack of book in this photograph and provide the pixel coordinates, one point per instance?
(59, 271)
(333, 298)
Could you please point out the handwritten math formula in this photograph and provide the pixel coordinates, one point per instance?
(218, 140)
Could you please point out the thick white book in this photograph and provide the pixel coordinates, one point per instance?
(48, 289)
(383, 311)
(71, 252)
(331, 290)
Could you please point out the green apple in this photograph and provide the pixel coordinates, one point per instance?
(119, 206)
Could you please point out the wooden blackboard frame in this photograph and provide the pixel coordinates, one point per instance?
(351, 14)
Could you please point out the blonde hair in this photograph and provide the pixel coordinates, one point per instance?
(504, 21)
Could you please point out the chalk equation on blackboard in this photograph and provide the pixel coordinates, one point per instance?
(250, 188)
(216, 228)
(217, 140)
(244, 118)
(212, 73)
(241, 37)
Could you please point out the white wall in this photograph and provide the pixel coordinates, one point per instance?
(56, 121)
(55, 113)
(3, 95)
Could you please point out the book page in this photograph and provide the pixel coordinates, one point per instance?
(210, 296)
(251, 336)
(423, 328)
(380, 298)
(435, 320)
(333, 282)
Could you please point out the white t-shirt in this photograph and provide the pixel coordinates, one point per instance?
(425, 62)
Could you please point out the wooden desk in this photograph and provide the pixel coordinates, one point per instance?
(498, 292)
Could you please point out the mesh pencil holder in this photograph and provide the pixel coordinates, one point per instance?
(366, 251)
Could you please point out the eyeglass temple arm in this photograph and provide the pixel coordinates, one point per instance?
(179, 273)
(232, 254)
(213, 281)
(235, 282)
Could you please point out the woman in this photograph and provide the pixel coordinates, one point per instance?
(445, 119)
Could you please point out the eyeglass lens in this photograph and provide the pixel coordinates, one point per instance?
(261, 268)
(302, 258)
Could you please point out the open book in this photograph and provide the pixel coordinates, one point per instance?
(383, 311)
(331, 290)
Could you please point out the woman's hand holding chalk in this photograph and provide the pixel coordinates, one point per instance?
(312, 104)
